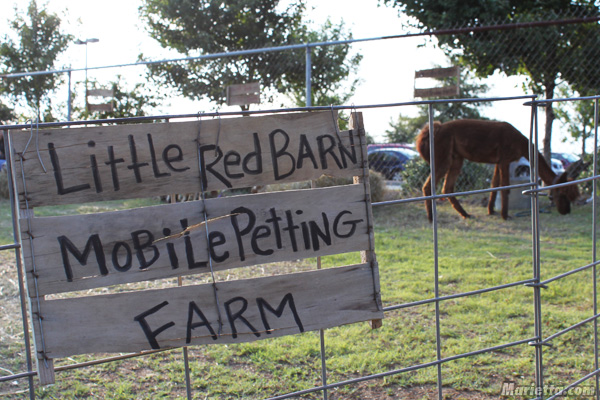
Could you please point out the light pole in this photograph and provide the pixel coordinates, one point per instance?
(85, 42)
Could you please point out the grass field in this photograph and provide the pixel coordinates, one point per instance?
(473, 254)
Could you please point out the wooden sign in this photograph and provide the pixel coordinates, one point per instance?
(75, 165)
(247, 310)
(95, 250)
(439, 73)
(99, 250)
(102, 93)
(243, 94)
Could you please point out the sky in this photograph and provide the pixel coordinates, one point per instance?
(387, 70)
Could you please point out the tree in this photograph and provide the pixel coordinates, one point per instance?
(543, 54)
(6, 114)
(40, 43)
(406, 128)
(212, 26)
(577, 116)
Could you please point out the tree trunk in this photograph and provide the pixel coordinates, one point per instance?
(584, 136)
(550, 116)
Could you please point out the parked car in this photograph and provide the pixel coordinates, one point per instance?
(390, 161)
(565, 158)
(521, 168)
(372, 147)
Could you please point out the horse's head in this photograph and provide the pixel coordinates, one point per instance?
(564, 196)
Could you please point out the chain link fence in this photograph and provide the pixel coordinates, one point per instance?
(566, 45)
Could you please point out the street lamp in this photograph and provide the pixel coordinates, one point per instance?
(86, 41)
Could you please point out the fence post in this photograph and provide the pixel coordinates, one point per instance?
(12, 195)
(308, 76)
(69, 100)
(594, 240)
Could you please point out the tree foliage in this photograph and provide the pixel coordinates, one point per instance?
(543, 54)
(214, 27)
(40, 43)
(6, 114)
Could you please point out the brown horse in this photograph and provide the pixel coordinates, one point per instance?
(486, 142)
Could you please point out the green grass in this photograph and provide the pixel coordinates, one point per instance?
(473, 254)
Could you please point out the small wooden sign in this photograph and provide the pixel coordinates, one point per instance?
(243, 94)
(438, 73)
(101, 107)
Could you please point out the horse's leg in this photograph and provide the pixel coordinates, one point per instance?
(504, 181)
(495, 183)
(440, 171)
(426, 193)
(449, 183)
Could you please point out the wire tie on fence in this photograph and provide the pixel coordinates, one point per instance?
(203, 198)
(335, 125)
(534, 284)
(30, 138)
(538, 344)
(218, 134)
(37, 144)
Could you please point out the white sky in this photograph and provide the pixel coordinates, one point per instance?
(387, 69)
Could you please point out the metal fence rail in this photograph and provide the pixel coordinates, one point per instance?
(538, 340)
(535, 283)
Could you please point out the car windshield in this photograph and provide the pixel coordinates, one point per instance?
(406, 152)
(571, 157)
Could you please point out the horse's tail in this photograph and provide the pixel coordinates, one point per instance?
(422, 144)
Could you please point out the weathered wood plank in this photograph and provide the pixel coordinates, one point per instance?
(100, 92)
(438, 91)
(144, 160)
(106, 107)
(249, 310)
(438, 72)
(95, 250)
(241, 99)
(244, 88)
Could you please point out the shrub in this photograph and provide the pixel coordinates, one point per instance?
(3, 184)
(472, 176)
(376, 181)
(587, 187)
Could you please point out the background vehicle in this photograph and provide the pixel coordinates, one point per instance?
(565, 158)
(390, 161)
(521, 168)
